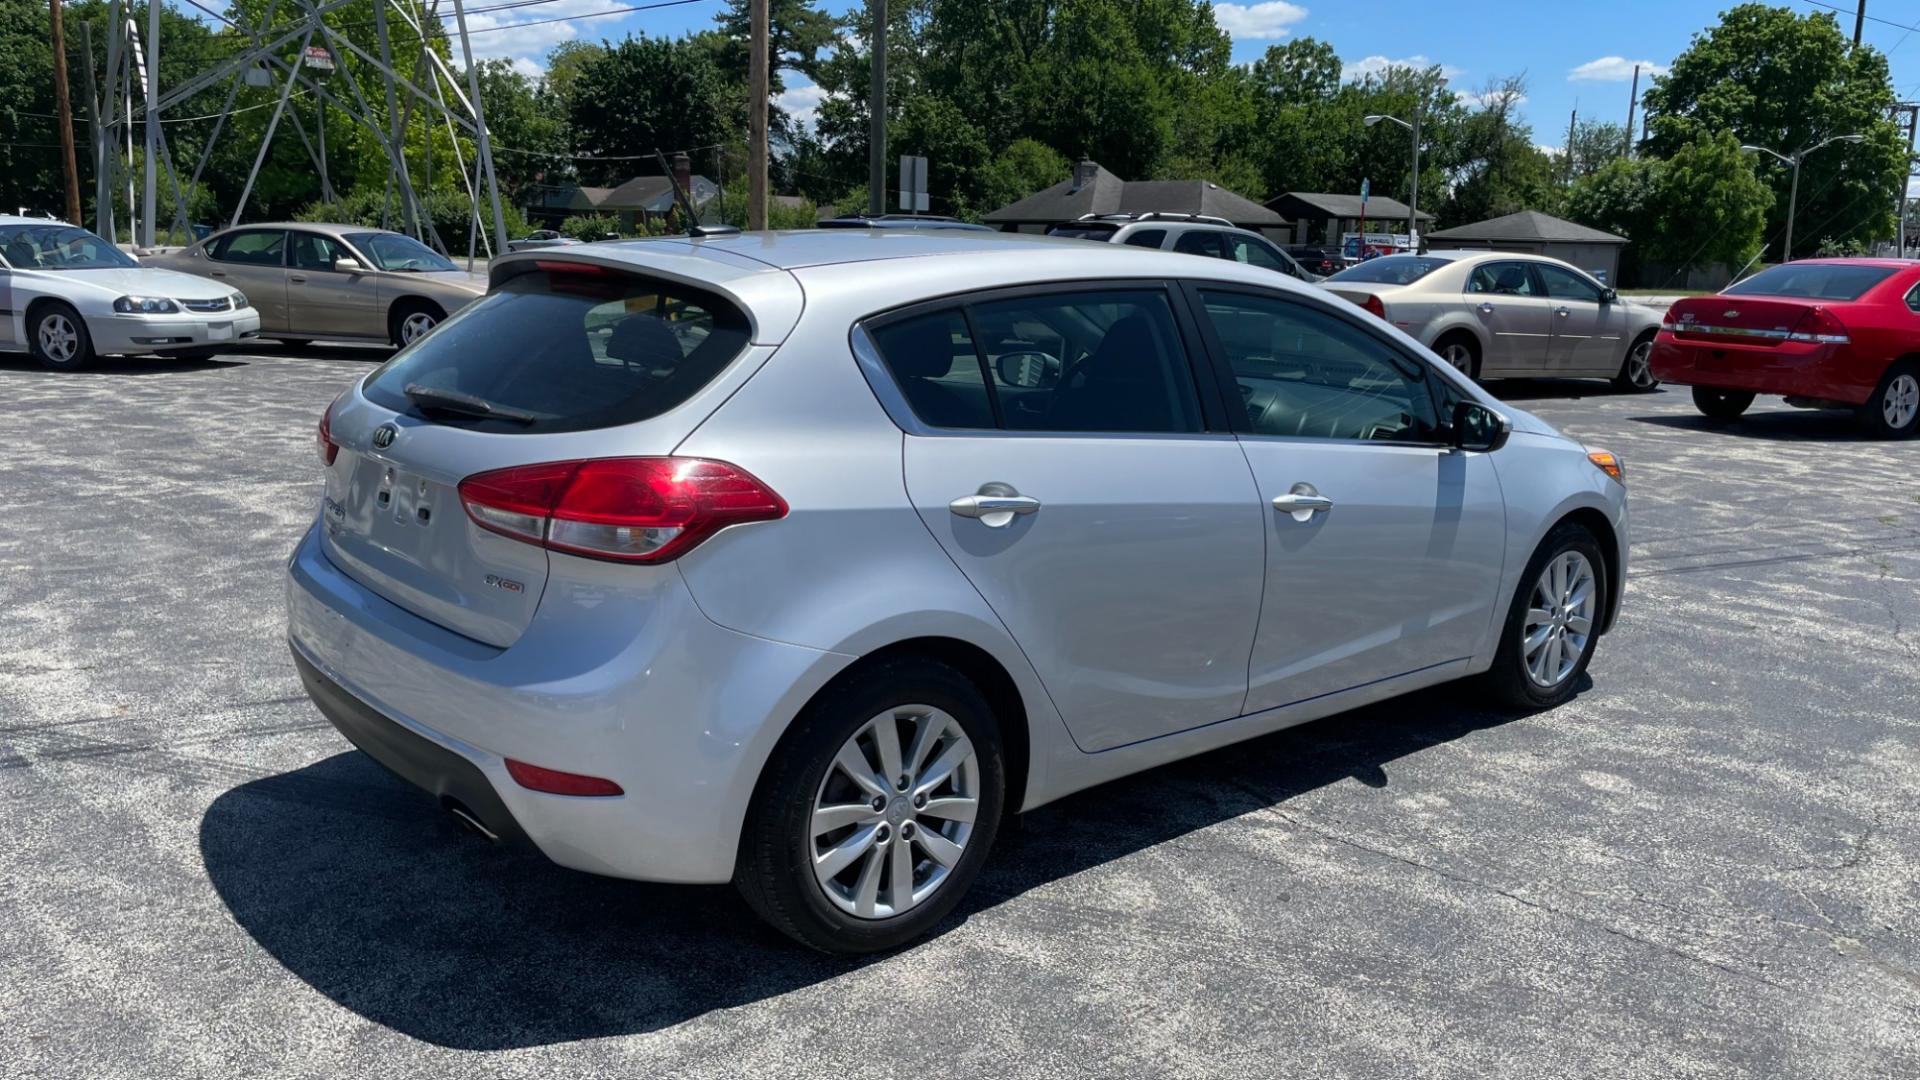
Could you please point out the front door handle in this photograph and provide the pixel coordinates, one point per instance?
(995, 506)
(297, 279)
(1302, 502)
(218, 273)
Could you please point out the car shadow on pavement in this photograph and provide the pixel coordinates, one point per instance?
(1518, 390)
(359, 886)
(1787, 425)
(124, 365)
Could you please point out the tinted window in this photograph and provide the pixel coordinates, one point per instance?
(1563, 284)
(1813, 281)
(1085, 230)
(933, 359)
(1098, 361)
(577, 352)
(311, 251)
(258, 248)
(1151, 238)
(1248, 250)
(1198, 242)
(1392, 269)
(58, 247)
(391, 251)
(1502, 279)
(1305, 373)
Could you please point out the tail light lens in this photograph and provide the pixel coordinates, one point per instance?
(323, 439)
(1819, 326)
(1372, 303)
(637, 510)
(555, 782)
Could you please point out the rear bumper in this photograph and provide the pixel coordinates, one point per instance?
(1790, 368)
(146, 334)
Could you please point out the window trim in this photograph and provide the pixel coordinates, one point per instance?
(1540, 275)
(285, 244)
(1422, 373)
(1216, 422)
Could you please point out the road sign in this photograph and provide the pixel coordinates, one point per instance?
(913, 184)
(1363, 191)
(317, 58)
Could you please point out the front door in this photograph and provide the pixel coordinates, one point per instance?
(1516, 318)
(254, 262)
(1067, 469)
(324, 300)
(1384, 546)
(1588, 334)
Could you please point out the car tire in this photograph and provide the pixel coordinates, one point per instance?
(57, 337)
(1537, 674)
(1460, 352)
(1636, 371)
(785, 832)
(1721, 405)
(411, 320)
(1893, 412)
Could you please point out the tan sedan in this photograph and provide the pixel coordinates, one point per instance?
(339, 282)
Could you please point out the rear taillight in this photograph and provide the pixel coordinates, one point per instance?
(1819, 327)
(323, 439)
(640, 510)
(555, 782)
(1372, 303)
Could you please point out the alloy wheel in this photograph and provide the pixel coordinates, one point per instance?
(415, 326)
(894, 812)
(1459, 356)
(1640, 367)
(1901, 402)
(1559, 619)
(59, 341)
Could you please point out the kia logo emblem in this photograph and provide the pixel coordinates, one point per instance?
(384, 435)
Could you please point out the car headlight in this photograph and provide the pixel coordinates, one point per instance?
(145, 305)
(238, 300)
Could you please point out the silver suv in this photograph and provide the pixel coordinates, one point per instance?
(1188, 234)
(800, 560)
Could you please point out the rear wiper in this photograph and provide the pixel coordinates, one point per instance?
(439, 399)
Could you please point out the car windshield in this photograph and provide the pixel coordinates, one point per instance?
(59, 247)
(391, 251)
(1812, 281)
(1391, 269)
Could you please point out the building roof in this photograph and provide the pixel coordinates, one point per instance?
(1320, 204)
(653, 194)
(1528, 225)
(1094, 190)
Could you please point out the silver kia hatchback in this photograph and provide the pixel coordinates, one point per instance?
(801, 560)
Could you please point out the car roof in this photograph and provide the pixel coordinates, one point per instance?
(1879, 264)
(325, 227)
(793, 249)
(17, 219)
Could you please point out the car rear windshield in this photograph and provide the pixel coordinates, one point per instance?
(1812, 281)
(1391, 269)
(1085, 230)
(567, 352)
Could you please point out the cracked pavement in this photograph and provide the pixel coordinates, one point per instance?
(1707, 864)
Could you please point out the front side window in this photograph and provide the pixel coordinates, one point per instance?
(1502, 279)
(1199, 242)
(399, 254)
(311, 251)
(1248, 250)
(1564, 284)
(1306, 373)
(255, 247)
(57, 246)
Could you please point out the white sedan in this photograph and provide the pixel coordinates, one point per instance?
(67, 296)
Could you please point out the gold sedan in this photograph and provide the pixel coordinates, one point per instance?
(339, 282)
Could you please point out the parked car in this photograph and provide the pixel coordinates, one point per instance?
(764, 559)
(68, 295)
(899, 221)
(1188, 234)
(1495, 314)
(340, 282)
(1316, 260)
(1823, 333)
(542, 238)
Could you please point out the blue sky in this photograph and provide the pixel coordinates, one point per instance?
(1572, 55)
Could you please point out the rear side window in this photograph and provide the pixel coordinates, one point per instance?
(256, 247)
(1812, 281)
(1502, 279)
(933, 359)
(1148, 238)
(570, 352)
(1199, 242)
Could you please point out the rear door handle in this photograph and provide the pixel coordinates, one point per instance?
(297, 279)
(994, 511)
(1486, 308)
(1302, 502)
(218, 273)
(1562, 312)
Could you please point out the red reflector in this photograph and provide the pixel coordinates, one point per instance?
(323, 438)
(644, 510)
(554, 266)
(1372, 303)
(555, 782)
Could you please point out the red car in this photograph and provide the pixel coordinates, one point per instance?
(1825, 333)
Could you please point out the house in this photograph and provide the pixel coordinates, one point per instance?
(1322, 217)
(1093, 190)
(1535, 233)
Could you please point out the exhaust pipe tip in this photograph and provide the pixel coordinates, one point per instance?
(468, 820)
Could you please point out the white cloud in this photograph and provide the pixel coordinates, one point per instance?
(1613, 69)
(1270, 19)
(528, 45)
(800, 100)
(1376, 64)
(1483, 98)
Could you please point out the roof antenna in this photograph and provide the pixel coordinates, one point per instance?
(680, 195)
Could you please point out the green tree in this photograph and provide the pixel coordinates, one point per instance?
(528, 130)
(1773, 77)
(645, 94)
(1024, 167)
(1702, 206)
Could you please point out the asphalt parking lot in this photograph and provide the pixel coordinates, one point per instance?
(1706, 865)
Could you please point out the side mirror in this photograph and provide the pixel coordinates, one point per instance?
(1027, 370)
(1476, 427)
(346, 265)
(1608, 296)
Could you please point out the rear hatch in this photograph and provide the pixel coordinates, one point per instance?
(561, 362)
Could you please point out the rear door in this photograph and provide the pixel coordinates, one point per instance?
(323, 300)
(1384, 546)
(1063, 459)
(1515, 315)
(1587, 333)
(254, 261)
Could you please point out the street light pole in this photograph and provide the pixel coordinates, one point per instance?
(1413, 207)
(1793, 191)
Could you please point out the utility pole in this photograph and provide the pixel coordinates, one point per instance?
(150, 83)
(63, 105)
(1413, 196)
(102, 224)
(1573, 123)
(877, 113)
(757, 118)
(485, 146)
(1859, 19)
(1633, 100)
